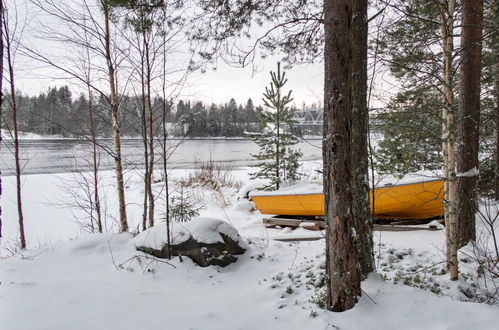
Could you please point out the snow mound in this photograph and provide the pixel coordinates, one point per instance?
(248, 188)
(203, 230)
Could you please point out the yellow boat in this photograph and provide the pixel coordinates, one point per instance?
(413, 200)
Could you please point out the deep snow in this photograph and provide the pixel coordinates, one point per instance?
(99, 281)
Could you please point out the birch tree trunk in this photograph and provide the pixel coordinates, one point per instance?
(1, 101)
(342, 264)
(449, 137)
(93, 134)
(115, 119)
(144, 126)
(95, 169)
(151, 130)
(10, 64)
(469, 118)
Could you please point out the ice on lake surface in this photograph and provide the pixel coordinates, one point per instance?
(59, 156)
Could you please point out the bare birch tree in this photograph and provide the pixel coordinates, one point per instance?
(79, 21)
(447, 12)
(93, 135)
(1, 101)
(113, 89)
(142, 18)
(9, 43)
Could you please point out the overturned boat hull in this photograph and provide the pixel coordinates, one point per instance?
(419, 200)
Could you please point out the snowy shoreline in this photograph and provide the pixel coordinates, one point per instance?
(101, 282)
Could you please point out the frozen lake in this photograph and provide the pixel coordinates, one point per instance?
(60, 156)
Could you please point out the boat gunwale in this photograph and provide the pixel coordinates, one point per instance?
(267, 194)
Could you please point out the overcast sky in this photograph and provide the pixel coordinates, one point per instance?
(216, 86)
(306, 83)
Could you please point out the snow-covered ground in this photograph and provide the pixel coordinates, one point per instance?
(68, 279)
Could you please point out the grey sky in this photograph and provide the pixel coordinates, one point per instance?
(216, 86)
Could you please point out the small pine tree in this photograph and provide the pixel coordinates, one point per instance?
(277, 160)
(182, 208)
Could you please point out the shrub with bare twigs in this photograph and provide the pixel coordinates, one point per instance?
(485, 253)
(212, 176)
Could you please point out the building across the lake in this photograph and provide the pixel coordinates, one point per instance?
(310, 121)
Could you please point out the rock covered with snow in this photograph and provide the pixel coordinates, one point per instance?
(207, 241)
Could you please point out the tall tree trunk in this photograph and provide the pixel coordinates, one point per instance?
(93, 134)
(165, 169)
(10, 64)
(495, 38)
(144, 140)
(449, 141)
(469, 118)
(165, 134)
(496, 111)
(342, 263)
(151, 130)
(95, 169)
(278, 136)
(359, 160)
(1, 101)
(115, 120)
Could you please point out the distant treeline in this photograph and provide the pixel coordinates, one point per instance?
(58, 112)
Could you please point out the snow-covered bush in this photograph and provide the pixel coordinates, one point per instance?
(213, 176)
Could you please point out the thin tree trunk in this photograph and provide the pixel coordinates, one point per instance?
(165, 132)
(469, 118)
(95, 169)
(342, 263)
(115, 121)
(448, 113)
(151, 131)
(1, 101)
(10, 64)
(495, 39)
(165, 173)
(497, 122)
(144, 140)
(278, 137)
(359, 160)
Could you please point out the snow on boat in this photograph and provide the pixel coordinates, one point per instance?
(410, 199)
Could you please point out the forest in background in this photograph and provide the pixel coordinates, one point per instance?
(60, 112)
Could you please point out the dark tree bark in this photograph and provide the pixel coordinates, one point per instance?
(342, 264)
(469, 118)
(359, 161)
(496, 111)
